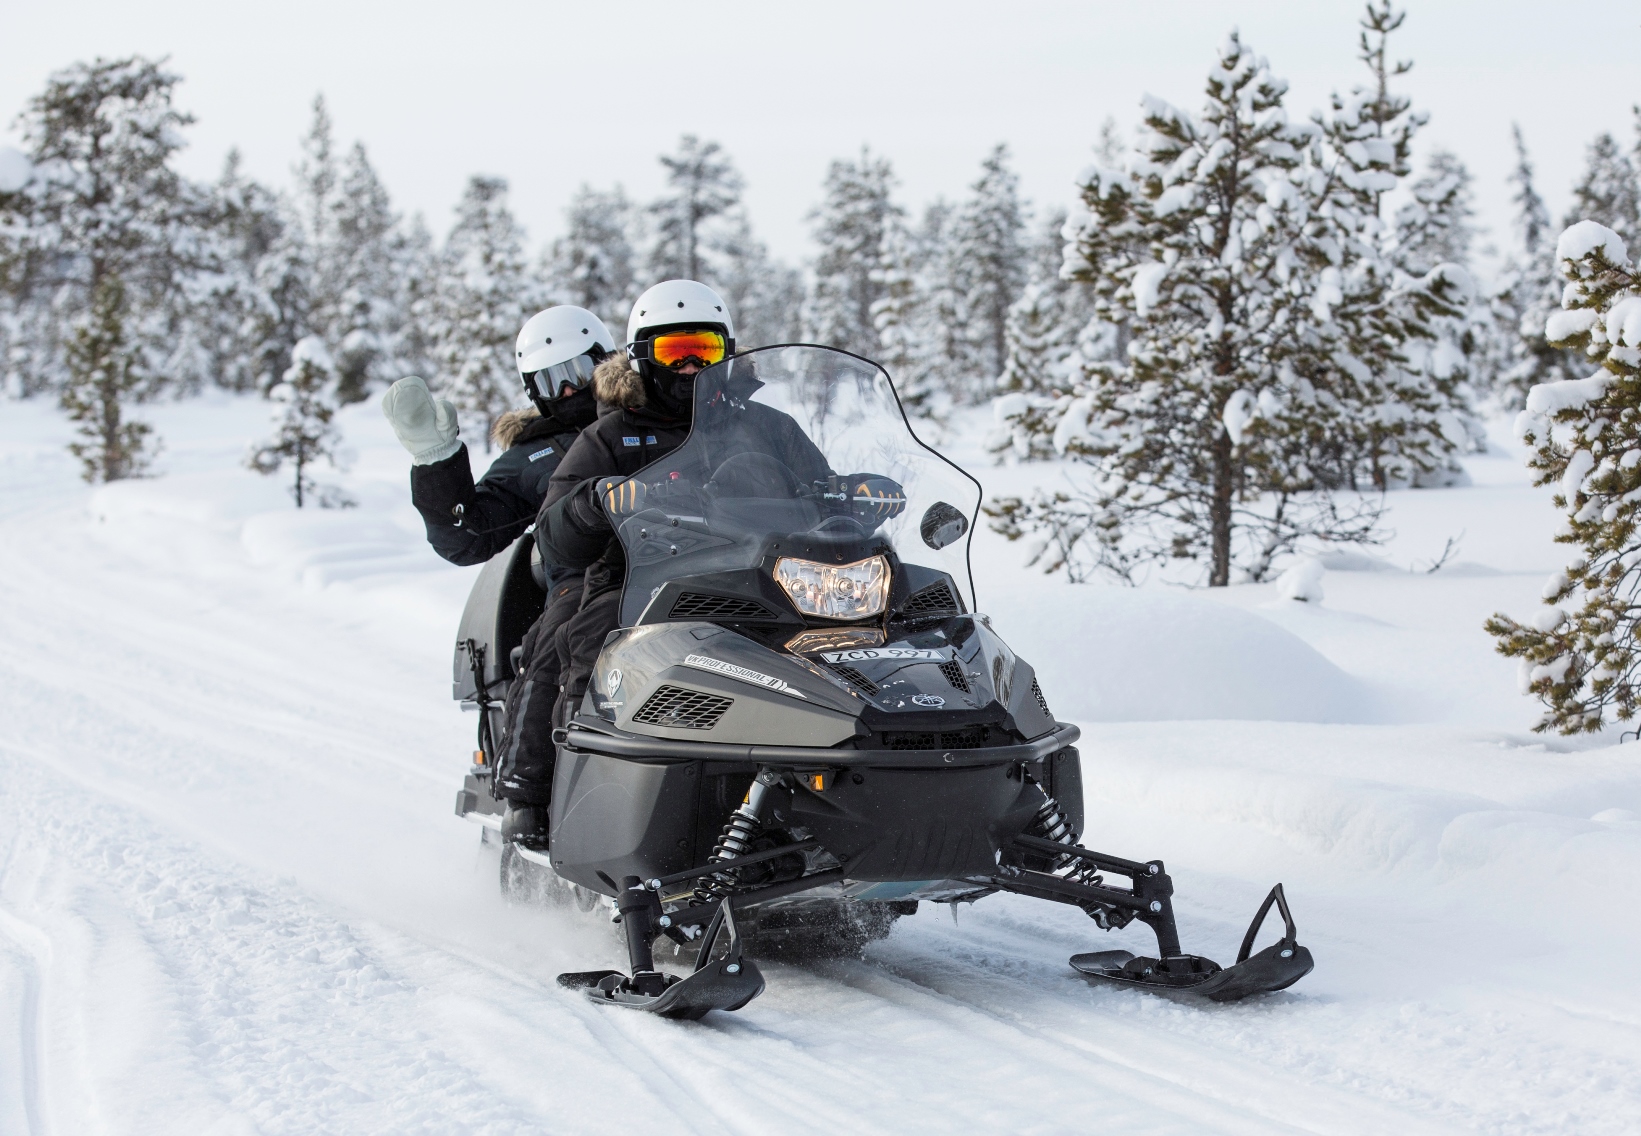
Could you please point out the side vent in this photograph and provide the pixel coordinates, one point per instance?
(854, 678)
(1042, 703)
(682, 709)
(953, 670)
(936, 599)
(695, 605)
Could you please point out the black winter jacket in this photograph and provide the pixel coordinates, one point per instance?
(573, 529)
(468, 523)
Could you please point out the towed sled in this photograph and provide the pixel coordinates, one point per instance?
(802, 729)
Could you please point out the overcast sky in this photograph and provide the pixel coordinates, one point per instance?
(550, 95)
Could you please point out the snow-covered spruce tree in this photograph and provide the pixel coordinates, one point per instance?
(305, 402)
(1582, 654)
(104, 374)
(102, 199)
(416, 264)
(702, 185)
(1609, 191)
(851, 225)
(1391, 347)
(765, 294)
(592, 265)
(365, 313)
(483, 296)
(896, 317)
(990, 256)
(1529, 292)
(228, 304)
(1204, 441)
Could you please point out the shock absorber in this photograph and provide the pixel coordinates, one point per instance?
(736, 839)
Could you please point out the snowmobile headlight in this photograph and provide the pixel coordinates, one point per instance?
(835, 591)
(834, 639)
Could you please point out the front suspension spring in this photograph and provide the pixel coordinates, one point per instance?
(736, 840)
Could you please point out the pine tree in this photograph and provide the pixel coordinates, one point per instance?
(1582, 654)
(1609, 191)
(851, 226)
(305, 402)
(228, 308)
(704, 186)
(895, 317)
(103, 376)
(990, 256)
(593, 264)
(1529, 293)
(1392, 346)
(365, 318)
(765, 295)
(482, 299)
(1207, 440)
(103, 200)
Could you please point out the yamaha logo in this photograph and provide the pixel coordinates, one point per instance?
(928, 700)
(613, 679)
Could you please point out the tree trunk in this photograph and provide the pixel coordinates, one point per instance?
(1219, 512)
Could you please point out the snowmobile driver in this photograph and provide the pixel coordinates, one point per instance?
(467, 523)
(677, 329)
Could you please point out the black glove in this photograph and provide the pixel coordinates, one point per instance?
(622, 496)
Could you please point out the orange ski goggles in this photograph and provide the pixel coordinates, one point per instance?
(672, 349)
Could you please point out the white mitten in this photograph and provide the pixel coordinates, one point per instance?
(426, 426)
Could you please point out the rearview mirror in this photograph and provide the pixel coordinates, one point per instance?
(941, 525)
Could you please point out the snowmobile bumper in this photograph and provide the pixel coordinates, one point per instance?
(1276, 967)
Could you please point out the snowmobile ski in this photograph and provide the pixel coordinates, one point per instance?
(1276, 967)
(724, 983)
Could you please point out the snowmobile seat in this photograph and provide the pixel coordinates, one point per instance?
(506, 599)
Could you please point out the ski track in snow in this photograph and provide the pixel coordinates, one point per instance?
(233, 900)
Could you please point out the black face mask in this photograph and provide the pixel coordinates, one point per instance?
(671, 393)
(575, 409)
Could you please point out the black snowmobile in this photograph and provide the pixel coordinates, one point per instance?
(802, 725)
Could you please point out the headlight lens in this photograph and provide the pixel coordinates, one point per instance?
(835, 591)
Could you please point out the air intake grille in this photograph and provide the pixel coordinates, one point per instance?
(1042, 703)
(682, 709)
(695, 605)
(953, 670)
(974, 737)
(854, 678)
(937, 599)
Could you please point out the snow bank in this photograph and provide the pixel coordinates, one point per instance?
(1121, 654)
(1302, 582)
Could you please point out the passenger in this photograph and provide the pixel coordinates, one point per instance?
(467, 523)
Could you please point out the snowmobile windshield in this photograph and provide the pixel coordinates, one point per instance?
(800, 462)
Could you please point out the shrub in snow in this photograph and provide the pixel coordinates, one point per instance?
(305, 401)
(1579, 656)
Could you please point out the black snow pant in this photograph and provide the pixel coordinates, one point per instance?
(524, 773)
(581, 638)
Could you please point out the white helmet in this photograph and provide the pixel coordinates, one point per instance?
(559, 347)
(680, 302)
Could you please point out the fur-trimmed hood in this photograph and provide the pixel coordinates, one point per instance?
(615, 383)
(510, 425)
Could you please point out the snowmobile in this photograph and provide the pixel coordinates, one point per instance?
(802, 714)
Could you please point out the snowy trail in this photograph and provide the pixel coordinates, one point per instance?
(233, 898)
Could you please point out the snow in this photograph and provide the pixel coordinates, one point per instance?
(1562, 326)
(1147, 285)
(1302, 582)
(233, 897)
(15, 169)
(1240, 409)
(1579, 240)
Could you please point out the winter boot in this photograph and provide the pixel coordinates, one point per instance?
(525, 825)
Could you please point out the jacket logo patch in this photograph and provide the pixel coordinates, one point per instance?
(629, 441)
(730, 670)
(861, 653)
(541, 453)
(650, 440)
